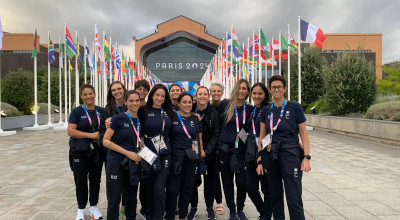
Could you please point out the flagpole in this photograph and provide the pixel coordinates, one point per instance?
(95, 68)
(59, 80)
(273, 56)
(76, 72)
(92, 72)
(65, 76)
(280, 53)
(259, 55)
(231, 56)
(252, 65)
(227, 67)
(288, 69)
(110, 66)
(104, 72)
(84, 59)
(35, 84)
(248, 60)
(48, 81)
(69, 86)
(299, 61)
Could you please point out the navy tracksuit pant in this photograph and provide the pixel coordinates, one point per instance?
(286, 168)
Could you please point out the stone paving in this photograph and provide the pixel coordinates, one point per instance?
(350, 178)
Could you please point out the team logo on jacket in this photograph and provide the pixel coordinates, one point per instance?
(126, 125)
(287, 115)
(296, 172)
(150, 115)
(114, 177)
(175, 123)
(83, 116)
(192, 124)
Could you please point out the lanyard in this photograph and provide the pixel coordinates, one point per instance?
(163, 120)
(201, 116)
(271, 119)
(252, 120)
(237, 117)
(88, 117)
(135, 129)
(118, 108)
(183, 126)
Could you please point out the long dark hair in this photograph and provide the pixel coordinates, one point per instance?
(264, 88)
(166, 105)
(110, 98)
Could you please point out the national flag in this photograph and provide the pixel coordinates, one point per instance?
(275, 49)
(51, 52)
(311, 34)
(1, 35)
(237, 48)
(69, 62)
(113, 54)
(284, 47)
(254, 46)
(265, 47)
(71, 49)
(229, 44)
(35, 43)
(292, 44)
(107, 54)
(117, 60)
(89, 57)
(96, 38)
(78, 49)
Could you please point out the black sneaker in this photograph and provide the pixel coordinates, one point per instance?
(192, 214)
(142, 214)
(241, 215)
(210, 213)
(233, 216)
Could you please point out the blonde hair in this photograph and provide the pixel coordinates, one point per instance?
(233, 100)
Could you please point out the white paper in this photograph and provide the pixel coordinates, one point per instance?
(266, 141)
(147, 155)
(243, 135)
(196, 146)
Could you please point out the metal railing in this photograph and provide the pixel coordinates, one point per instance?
(148, 33)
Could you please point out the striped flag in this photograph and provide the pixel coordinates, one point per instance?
(89, 57)
(71, 49)
(34, 51)
(107, 53)
(51, 52)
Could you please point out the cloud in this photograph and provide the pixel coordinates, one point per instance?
(124, 18)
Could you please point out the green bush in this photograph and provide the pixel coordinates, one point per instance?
(350, 84)
(320, 107)
(384, 111)
(17, 90)
(312, 82)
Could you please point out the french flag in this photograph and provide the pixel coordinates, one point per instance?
(311, 34)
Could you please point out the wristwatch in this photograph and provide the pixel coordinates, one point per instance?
(307, 157)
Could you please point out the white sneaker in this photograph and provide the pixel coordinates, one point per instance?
(95, 213)
(80, 215)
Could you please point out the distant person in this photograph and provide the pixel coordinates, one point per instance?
(282, 160)
(85, 155)
(143, 87)
(216, 90)
(174, 91)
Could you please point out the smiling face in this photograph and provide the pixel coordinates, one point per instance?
(88, 96)
(143, 92)
(242, 91)
(185, 104)
(258, 95)
(216, 93)
(202, 96)
(117, 91)
(158, 98)
(133, 102)
(175, 92)
(277, 89)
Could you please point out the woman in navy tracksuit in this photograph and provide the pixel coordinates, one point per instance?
(186, 144)
(259, 94)
(85, 154)
(231, 149)
(156, 116)
(123, 169)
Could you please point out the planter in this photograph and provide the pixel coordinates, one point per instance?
(374, 128)
(21, 121)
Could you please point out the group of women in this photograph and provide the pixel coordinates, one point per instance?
(168, 143)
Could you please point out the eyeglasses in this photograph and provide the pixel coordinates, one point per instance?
(276, 88)
(142, 90)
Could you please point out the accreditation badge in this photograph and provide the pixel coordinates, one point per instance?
(243, 135)
(266, 142)
(159, 143)
(147, 155)
(195, 147)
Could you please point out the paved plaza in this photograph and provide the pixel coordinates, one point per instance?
(351, 178)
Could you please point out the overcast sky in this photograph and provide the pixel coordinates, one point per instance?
(121, 19)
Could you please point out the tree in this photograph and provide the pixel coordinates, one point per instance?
(390, 85)
(17, 90)
(350, 84)
(312, 82)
